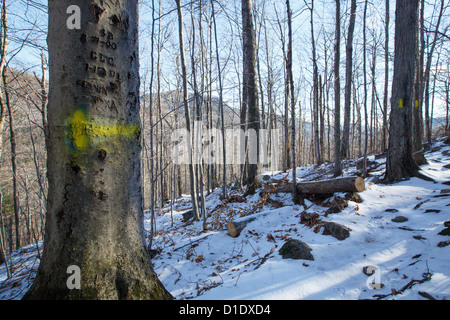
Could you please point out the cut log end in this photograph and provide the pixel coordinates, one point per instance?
(232, 230)
(359, 184)
(235, 227)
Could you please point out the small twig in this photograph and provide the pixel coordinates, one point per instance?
(264, 259)
(420, 204)
(409, 285)
(426, 295)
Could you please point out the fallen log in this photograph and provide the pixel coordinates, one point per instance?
(235, 227)
(346, 184)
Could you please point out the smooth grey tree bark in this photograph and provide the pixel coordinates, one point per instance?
(295, 193)
(345, 148)
(250, 92)
(221, 106)
(400, 163)
(3, 52)
(384, 133)
(426, 77)
(418, 91)
(95, 209)
(337, 94)
(192, 177)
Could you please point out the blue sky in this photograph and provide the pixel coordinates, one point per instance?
(28, 19)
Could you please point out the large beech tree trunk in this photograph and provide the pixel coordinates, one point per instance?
(95, 213)
(400, 163)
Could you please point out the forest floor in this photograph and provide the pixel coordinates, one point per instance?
(408, 257)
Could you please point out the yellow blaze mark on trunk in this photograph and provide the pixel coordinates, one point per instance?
(400, 103)
(77, 123)
(81, 130)
(416, 103)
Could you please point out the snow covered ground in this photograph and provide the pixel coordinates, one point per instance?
(409, 258)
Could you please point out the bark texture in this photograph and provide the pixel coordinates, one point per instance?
(347, 184)
(400, 161)
(250, 93)
(345, 150)
(337, 94)
(95, 213)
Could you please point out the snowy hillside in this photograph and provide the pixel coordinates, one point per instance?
(394, 250)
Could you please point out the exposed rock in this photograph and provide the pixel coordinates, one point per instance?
(353, 196)
(339, 202)
(399, 219)
(296, 249)
(337, 230)
(333, 209)
(337, 205)
(443, 244)
(187, 215)
(445, 232)
(391, 210)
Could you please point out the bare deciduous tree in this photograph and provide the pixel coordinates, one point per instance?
(94, 219)
(400, 163)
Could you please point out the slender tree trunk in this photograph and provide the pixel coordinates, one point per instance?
(270, 85)
(321, 108)
(224, 159)
(447, 105)
(365, 91)
(192, 179)
(202, 104)
(316, 99)
(400, 163)
(348, 82)
(12, 140)
(384, 138)
(337, 94)
(250, 95)
(95, 214)
(286, 143)
(152, 153)
(2, 239)
(197, 126)
(3, 52)
(295, 194)
(418, 92)
(158, 101)
(428, 128)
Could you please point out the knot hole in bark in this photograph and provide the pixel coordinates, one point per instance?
(121, 287)
(101, 154)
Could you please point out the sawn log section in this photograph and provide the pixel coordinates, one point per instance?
(346, 184)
